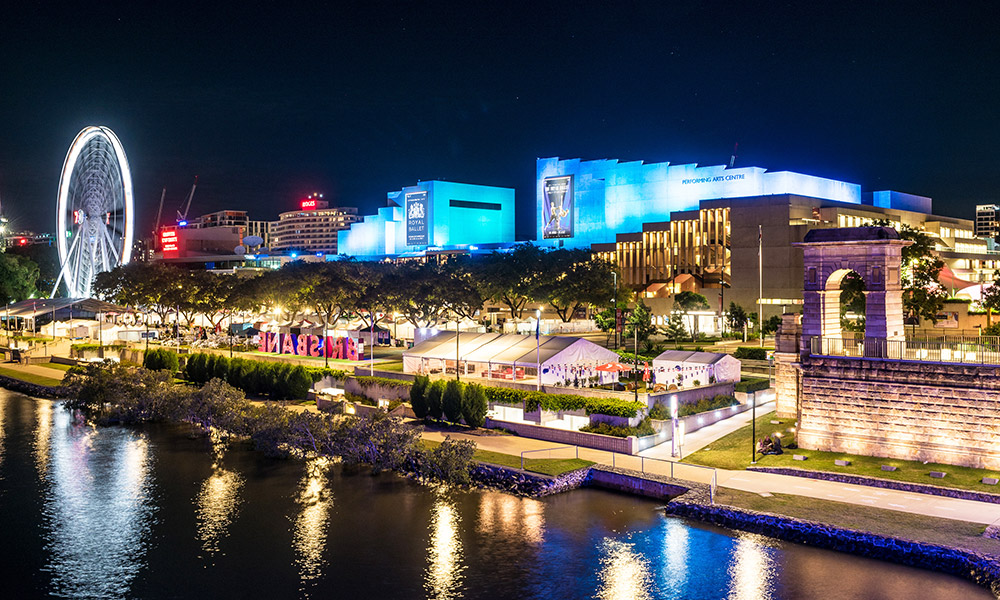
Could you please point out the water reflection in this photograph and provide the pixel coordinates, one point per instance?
(3, 405)
(98, 511)
(43, 429)
(218, 502)
(676, 554)
(624, 573)
(444, 576)
(522, 519)
(752, 570)
(310, 531)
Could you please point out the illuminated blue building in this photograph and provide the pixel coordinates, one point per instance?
(433, 216)
(581, 203)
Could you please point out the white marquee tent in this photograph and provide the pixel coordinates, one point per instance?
(510, 356)
(677, 367)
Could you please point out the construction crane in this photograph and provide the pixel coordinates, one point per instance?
(182, 216)
(159, 212)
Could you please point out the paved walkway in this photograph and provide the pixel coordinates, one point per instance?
(34, 370)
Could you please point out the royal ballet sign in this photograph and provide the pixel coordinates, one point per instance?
(310, 345)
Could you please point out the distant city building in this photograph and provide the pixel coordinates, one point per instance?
(434, 217)
(234, 218)
(312, 229)
(987, 222)
(27, 238)
(690, 228)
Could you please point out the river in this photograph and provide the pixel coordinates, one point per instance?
(159, 513)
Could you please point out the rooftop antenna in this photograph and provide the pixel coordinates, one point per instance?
(732, 159)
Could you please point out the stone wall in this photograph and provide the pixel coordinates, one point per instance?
(596, 441)
(908, 410)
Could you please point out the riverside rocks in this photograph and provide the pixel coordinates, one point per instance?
(978, 568)
(31, 389)
(522, 483)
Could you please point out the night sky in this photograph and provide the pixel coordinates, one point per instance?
(267, 103)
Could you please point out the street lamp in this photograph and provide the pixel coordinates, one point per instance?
(614, 305)
(538, 360)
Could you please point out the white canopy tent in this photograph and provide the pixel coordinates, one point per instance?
(509, 356)
(681, 368)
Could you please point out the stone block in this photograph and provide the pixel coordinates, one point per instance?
(990, 480)
(938, 474)
(775, 422)
(799, 457)
(842, 463)
(888, 468)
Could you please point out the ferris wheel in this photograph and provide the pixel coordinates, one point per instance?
(94, 210)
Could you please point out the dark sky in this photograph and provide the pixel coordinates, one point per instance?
(269, 102)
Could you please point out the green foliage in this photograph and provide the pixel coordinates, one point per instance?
(736, 317)
(752, 384)
(993, 329)
(196, 368)
(644, 428)
(318, 373)
(451, 400)
(686, 302)
(474, 405)
(299, 383)
(161, 359)
(366, 382)
(418, 395)
(675, 329)
(747, 353)
(435, 399)
(639, 323)
(220, 370)
(18, 276)
(706, 404)
(659, 411)
(771, 324)
(450, 461)
(555, 402)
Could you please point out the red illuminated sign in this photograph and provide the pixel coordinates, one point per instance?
(308, 204)
(168, 240)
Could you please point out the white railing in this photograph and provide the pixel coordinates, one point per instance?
(963, 350)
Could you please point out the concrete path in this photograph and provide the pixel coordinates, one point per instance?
(34, 370)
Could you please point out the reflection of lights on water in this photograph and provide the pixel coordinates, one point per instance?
(2, 404)
(752, 569)
(624, 572)
(309, 533)
(513, 517)
(98, 509)
(444, 573)
(43, 429)
(218, 502)
(676, 553)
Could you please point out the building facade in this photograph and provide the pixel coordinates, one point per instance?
(689, 228)
(313, 229)
(987, 221)
(433, 217)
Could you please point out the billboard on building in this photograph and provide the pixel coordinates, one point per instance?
(417, 219)
(557, 209)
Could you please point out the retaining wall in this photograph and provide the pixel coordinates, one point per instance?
(693, 395)
(922, 411)
(596, 441)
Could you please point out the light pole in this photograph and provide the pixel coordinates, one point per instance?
(538, 360)
(371, 340)
(635, 381)
(614, 305)
(457, 378)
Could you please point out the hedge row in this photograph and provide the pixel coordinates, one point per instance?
(453, 400)
(533, 400)
(159, 359)
(752, 384)
(748, 353)
(707, 404)
(366, 382)
(279, 380)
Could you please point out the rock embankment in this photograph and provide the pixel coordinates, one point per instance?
(31, 389)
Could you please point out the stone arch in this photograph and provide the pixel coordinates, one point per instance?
(875, 254)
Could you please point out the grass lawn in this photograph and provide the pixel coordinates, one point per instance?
(545, 466)
(393, 365)
(56, 366)
(900, 524)
(30, 377)
(733, 452)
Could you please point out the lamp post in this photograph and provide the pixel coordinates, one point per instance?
(635, 380)
(673, 426)
(614, 305)
(538, 360)
(457, 377)
(371, 340)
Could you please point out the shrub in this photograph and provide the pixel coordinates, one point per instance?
(644, 428)
(533, 400)
(747, 353)
(696, 382)
(160, 359)
(220, 368)
(435, 399)
(359, 399)
(706, 404)
(418, 395)
(474, 405)
(752, 385)
(366, 381)
(659, 411)
(282, 381)
(299, 383)
(195, 368)
(451, 400)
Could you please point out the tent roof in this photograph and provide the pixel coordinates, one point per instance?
(496, 348)
(38, 306)
(681, 356)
